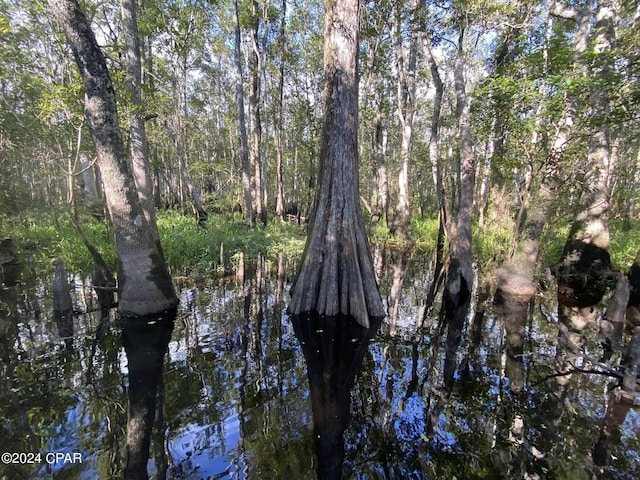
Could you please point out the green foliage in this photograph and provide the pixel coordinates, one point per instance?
(491, 244)
(380, 232)
(42, 237)
(625, 243)
(425, 234)
(190, 248)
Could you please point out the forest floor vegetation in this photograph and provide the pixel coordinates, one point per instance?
(216, 249)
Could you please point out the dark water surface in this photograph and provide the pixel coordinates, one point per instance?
(237, 401)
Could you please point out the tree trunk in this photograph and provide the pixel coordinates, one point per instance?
(242, 124)
(89, 187)
(279, 122)
(337, 275)
(434, 148)
(612, 324)
(254, 117)
(381, 191)
(137, 129)
(193, 191)
(460, 272)
(144, 282)
(516, 277)
(406, 111)
(586, 252)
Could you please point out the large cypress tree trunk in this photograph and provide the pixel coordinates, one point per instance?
(144, 283)
(337, 275)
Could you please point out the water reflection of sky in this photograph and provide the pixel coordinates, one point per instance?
(237, 397)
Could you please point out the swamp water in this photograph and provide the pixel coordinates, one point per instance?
(237, 402)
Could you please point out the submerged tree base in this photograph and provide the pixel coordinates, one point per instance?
(337, 275)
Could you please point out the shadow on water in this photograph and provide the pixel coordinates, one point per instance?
(333, 348)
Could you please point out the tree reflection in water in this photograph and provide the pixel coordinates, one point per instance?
(493, 393)
(145, 342)
(333, 348)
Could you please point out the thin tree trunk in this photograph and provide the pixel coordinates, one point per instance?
(137, 129)
(516, 277)
(337, 275)
(406, 111)
(381, 204)
(254, 116)
(242, 124)
(460, 272)
(144, 283)
(89, 188)
(587, 248)
(434, 137)
(279, 125)
(193, 191)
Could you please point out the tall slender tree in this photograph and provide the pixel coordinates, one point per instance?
(406, 95)
(587, 248)
(459, 272)
(247, 205)
(279, 117)
(137, 130)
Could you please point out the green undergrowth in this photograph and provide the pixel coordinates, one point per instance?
(189, 248)
(41, 237)
(492, 243)
(625, 243)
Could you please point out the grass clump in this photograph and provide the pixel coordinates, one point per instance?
(625, 242)
(189, 248)
(425, 234)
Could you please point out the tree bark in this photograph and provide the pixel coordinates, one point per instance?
(587, 249)
(89, 187)
(516, 277)
(406, 110)
(337, 275)
(279, 122)
(460, 272)
(254, 117)
(193, 191)
(381, 191)
(434, 137)
(612, 324)
(242, 124)
(137, 129)
(144, 283)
